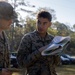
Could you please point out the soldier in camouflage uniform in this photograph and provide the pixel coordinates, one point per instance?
(33, 43)
(4, 51)
(6, 16)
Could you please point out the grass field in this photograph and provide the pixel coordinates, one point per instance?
(66, 70)
(62, 70)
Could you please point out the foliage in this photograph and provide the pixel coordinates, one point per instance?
(31, 25)
(62, 29)
(52, 31)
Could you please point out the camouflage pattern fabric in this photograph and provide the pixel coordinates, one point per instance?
(29, 57)
(4, 51)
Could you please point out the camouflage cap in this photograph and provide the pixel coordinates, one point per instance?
(6, 11)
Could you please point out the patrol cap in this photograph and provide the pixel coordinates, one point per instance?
(6, 11)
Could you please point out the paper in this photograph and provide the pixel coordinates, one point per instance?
(57, 45)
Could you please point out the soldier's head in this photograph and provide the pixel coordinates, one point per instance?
(43, 21)
(44, 14)
(6, 15)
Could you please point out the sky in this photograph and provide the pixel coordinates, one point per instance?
(64, 9)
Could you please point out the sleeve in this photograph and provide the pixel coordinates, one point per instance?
(25, 57)
(6, 51)
(56, 60)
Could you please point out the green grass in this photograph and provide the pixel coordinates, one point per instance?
(66, 70)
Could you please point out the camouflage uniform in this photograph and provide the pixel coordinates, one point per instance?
(29, 56)
(4, 51)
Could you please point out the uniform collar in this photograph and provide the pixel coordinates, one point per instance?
(47, 37)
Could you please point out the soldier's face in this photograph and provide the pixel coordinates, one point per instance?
(42, 25)
(5, 24)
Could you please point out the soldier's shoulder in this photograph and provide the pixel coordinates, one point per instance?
(28, 35)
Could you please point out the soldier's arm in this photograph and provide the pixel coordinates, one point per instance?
(25, 57)
(56, 60)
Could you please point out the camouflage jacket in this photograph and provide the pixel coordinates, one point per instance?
(4, 51)
(29, 56)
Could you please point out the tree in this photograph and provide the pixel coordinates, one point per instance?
(18, 21)
(30, 25)
(73, 28)
(52, 11)
(62, 29)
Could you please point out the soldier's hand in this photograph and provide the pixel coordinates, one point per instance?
(43, 48)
